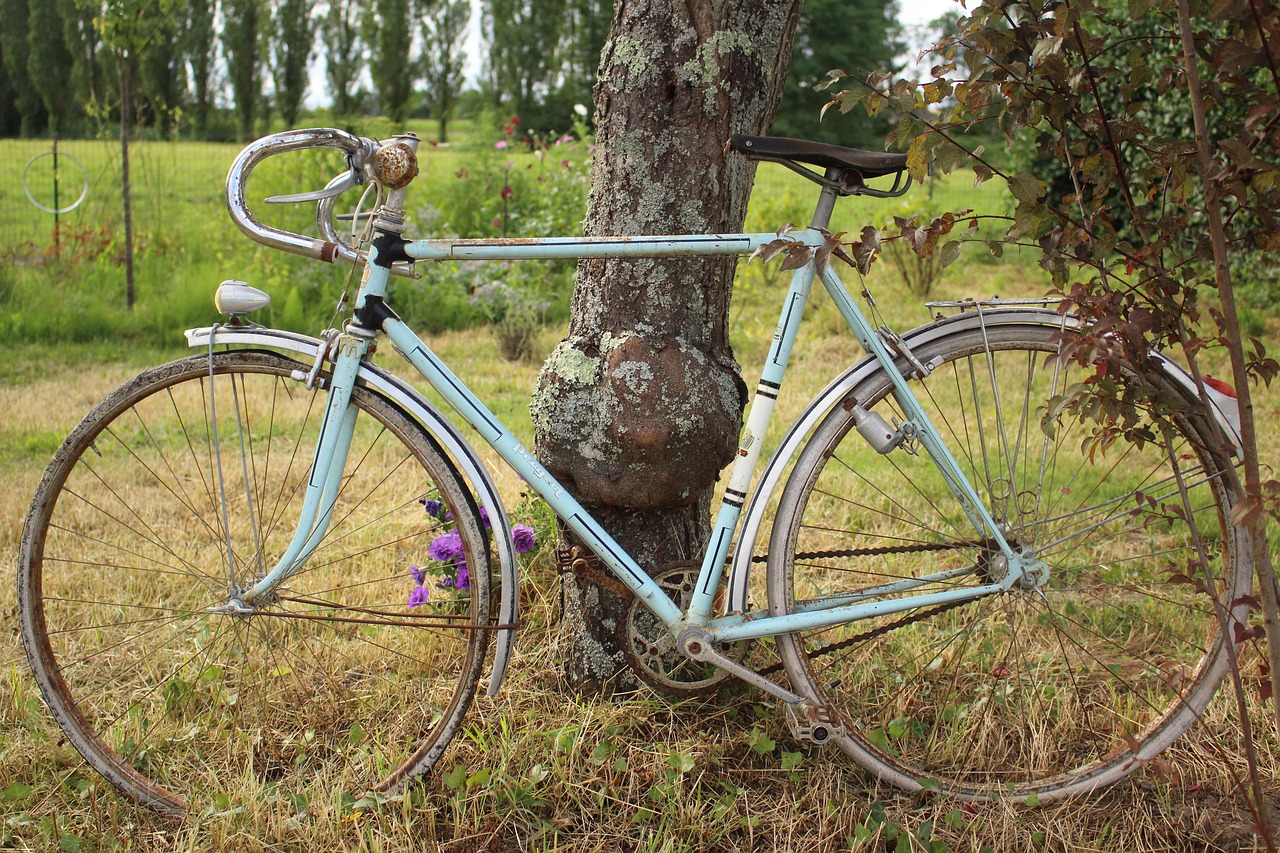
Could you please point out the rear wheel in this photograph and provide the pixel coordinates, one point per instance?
(1050, 689)
(357, 670)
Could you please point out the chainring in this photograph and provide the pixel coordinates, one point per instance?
(650, 649)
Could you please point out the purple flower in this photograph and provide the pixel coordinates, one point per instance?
(464, 577)
(446, 547)
(419, 596)
(417, 574)
(433, 507)
(484, 517)
(522, 537)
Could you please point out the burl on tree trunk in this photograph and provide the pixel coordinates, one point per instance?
(639, 407)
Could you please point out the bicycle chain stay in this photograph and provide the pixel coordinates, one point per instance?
(583, 564)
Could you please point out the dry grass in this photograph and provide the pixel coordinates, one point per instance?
(539, 769)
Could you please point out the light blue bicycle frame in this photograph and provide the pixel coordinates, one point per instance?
(336, 431)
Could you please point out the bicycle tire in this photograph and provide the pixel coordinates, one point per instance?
(1034, 694)
(335, 685)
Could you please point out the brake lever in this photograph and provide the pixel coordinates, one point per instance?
(335, 189)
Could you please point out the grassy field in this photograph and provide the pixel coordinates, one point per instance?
(537, 768)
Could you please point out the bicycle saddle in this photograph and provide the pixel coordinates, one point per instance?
(869, 164)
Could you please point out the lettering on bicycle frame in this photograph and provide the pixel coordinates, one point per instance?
(553, 487)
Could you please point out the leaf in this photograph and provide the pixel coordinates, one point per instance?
(1046, 47)
(797, 256)
(950, 252)
(1245, 634)
(866, 250)
(1246, 512)
(16, 791)
(455, 778)
(833, 76)
(760, 742)
(1027, 188)
(681, 762)
(768, 251)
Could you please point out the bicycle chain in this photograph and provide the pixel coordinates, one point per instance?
(873, 633)
(872, 552)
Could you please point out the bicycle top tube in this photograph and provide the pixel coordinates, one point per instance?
(599, 247)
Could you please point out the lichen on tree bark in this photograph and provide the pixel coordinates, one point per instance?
(639, 408)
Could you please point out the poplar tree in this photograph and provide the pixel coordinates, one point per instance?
(162, 69)
(442, 57)
(525, 51)
(16, 48)
(294, 34)
(48, 61)
(200, 49)
(389, 35)
(344, 54)
(240, 45)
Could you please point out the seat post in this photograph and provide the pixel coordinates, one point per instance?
(826, 199)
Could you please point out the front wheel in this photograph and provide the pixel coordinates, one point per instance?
(1063, 684)
(183, 487)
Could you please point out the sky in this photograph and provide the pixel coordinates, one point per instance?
(911, 13)
(916, 12)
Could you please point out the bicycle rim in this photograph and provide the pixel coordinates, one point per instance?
(354, 674)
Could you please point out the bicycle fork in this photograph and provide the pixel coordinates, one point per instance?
(324, 478)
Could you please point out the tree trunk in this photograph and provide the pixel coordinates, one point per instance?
(639, 407)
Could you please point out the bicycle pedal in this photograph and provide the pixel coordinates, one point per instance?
(812, 722)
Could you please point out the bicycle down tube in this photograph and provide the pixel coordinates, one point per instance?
(629, 572)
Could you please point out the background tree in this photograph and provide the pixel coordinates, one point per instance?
(343, 55)
(525, 55)
(200, 48)
(293, 34)
(586, 26)
(88, 83)
(849, 34)
(677, 79)
(443, 26)
(48, 62)
(163, 71)
(241, 47)
(16, 47)
(127, 28)
(10, 118)
(389, 35)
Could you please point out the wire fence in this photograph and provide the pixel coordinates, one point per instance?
(75, 185)
(173, 182)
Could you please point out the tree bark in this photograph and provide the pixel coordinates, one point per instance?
(639, 407)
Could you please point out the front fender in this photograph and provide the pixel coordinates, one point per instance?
(446, 436)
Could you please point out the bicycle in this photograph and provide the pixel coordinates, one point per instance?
(963, 600)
